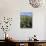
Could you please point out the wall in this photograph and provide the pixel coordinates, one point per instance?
(12, 8)
(45, 28)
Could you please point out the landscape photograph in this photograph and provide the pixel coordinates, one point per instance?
(26, 20)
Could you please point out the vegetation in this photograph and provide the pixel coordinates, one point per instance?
(26, 21)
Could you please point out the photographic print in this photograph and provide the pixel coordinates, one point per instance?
(26, 19)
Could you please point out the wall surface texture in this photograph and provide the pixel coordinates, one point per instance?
(12, 8)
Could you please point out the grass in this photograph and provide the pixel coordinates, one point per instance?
(26, 21)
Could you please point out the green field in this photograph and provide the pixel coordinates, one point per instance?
(26, 21)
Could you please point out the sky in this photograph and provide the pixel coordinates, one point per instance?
(26, 13)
